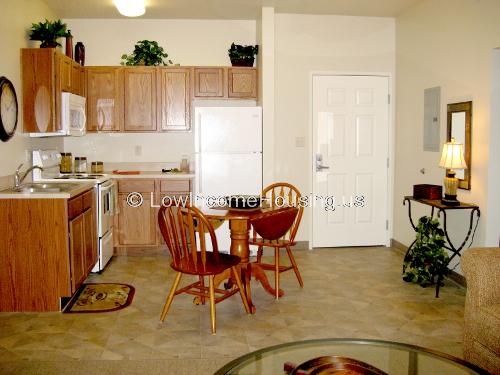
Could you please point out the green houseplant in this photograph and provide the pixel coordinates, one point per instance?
(242, 55)
(427, 258)
(146, 52)
(48, 32)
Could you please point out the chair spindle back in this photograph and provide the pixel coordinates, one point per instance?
(283, 193)
(184, 230)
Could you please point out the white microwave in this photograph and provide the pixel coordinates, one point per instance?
(73, 118)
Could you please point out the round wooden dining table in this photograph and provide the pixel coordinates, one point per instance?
(239, 226)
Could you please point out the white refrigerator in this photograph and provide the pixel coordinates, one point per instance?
(228, 156)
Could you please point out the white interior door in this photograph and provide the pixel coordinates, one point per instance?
(350, 136)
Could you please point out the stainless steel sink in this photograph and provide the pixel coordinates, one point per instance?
(42, 188)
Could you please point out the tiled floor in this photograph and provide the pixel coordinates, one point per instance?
(354, 292)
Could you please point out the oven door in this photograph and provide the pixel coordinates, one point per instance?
(105, 251)
(105, 205)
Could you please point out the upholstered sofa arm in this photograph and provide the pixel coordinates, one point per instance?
(481, 267)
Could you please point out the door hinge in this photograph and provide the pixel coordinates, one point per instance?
(388, 98)
(387, 225)
(387, 162)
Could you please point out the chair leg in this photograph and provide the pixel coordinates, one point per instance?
(294, 265)
(212, 302)
(202, 284)
(277, 271)
(170, 297)
(240, 287)
(260, 251)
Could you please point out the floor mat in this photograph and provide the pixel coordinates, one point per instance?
(101, 297)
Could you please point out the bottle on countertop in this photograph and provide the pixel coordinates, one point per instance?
(66, 165)
(97, 167)
(80, 164)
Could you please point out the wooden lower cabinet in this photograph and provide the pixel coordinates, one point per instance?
(47, 248)
(138, 226)
(90, 235)
(82, 248)
(77, 251)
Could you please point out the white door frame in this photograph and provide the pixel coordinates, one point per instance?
(391, 151)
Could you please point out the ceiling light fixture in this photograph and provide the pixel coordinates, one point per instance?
(130, 8)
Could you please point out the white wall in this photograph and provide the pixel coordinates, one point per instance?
(445, 43)
(305, 44)
(492, 231)
(16, 18)
(188, 42)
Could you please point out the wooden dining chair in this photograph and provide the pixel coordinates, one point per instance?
(280, 194)
(184, 230)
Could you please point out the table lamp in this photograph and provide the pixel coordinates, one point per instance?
(451, 158)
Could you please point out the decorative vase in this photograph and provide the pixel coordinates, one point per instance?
(69, 45)
(80, 53)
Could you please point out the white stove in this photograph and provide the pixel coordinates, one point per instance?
(105, 197)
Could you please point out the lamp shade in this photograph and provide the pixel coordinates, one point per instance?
(130, 8)
(453, 156)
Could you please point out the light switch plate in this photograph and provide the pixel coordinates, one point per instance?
(300, 141)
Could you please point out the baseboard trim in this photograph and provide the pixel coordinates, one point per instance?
(453, 276)
(301, 245)
(398, 246)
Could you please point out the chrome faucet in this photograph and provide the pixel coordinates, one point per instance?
(18, 179)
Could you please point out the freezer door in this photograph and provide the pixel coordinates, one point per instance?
(226, 174)
(228, 129)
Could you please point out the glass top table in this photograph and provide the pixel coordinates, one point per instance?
(389, 357)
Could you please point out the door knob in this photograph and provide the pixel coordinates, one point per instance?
(319, 163)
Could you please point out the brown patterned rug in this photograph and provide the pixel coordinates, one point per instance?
(101, 297)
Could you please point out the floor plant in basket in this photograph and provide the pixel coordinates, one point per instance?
(427, 258)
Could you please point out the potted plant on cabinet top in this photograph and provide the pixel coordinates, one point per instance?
(242, 55)
(427, 258)
(48, 32)
(146, 52)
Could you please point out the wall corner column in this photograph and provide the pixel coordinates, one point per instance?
(266, 38)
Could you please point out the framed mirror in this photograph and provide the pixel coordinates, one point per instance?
(459, 127)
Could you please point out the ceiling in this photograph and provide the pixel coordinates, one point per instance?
(231, 9)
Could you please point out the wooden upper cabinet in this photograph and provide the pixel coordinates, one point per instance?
(104, 98)
(77, 79)
(208, 82)
(65, 71)
(174, 99)
(39, 89)
(46, 73)
(242, 83)
(140, 99)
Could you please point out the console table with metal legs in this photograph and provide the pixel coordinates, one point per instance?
(441, 208)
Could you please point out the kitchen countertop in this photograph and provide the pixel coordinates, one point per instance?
(153, 174)
(79, 187)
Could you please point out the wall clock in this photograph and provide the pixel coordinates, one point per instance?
(8, 109)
